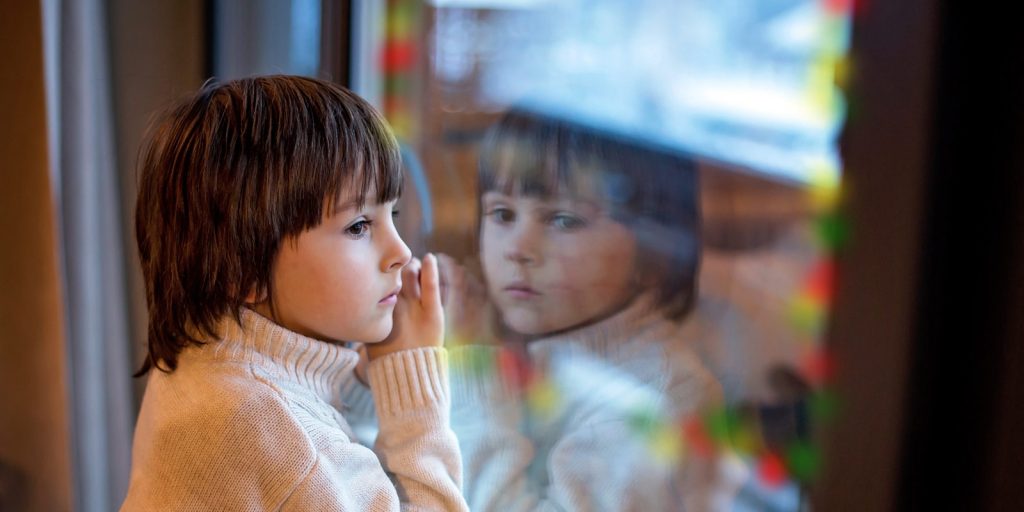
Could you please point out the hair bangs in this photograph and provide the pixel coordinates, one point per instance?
(530, 155)
(368, 166)
(346, 152)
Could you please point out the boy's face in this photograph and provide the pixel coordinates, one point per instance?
(554, 264)
(339, 281)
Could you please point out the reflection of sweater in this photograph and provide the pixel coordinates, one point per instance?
(590, 432)
(250, 422)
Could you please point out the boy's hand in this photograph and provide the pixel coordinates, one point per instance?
(468, 315)
(419, 317)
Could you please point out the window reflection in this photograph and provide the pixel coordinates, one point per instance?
(633, 200)
(745, 82)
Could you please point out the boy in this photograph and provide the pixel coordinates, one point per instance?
(266, 235)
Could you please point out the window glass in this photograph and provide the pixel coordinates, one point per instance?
(637, 202)
(255, 37)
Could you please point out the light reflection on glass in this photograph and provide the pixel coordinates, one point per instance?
(742, 96)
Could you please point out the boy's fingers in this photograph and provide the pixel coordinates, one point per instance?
(444, 262)
(445, 265)
(430, 292)
(410, 279)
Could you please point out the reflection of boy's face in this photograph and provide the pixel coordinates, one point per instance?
(554, 264)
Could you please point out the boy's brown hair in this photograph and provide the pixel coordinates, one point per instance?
(230, 173)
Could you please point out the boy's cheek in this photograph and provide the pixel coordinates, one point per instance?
(385, 330)
(371, 333)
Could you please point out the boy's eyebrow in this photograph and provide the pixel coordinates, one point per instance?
(589, 203)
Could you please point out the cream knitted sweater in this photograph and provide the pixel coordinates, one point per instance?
(251, 422)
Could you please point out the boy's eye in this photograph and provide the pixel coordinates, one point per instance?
(567, 221)
(359, 228)
(502, 215)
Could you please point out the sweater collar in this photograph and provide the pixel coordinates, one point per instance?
(313, 364)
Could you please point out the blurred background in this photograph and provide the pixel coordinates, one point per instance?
(861, 281)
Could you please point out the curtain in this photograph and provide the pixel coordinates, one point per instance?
(71, 128)
(92, 254)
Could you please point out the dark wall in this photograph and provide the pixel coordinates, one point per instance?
(35, 464)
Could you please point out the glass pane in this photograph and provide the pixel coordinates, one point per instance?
(637, 201)
(255, 37)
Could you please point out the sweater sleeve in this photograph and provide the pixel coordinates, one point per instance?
(416, 445)
(344, 476)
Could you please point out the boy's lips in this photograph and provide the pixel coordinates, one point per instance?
(521, 291)
(392, 297)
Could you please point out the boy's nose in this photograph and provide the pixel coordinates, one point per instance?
(398, 254)
(524, 247)
(519, 257)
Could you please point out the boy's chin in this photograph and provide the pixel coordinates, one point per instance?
(526, 325)
(532, 326)
(376, 336)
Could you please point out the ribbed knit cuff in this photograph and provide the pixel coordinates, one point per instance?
(410, 380)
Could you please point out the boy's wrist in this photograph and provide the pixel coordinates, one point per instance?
(410, 379)
(384, 348)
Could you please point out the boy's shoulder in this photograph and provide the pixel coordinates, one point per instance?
(212, 381)
(211, 427)
(220, 406)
